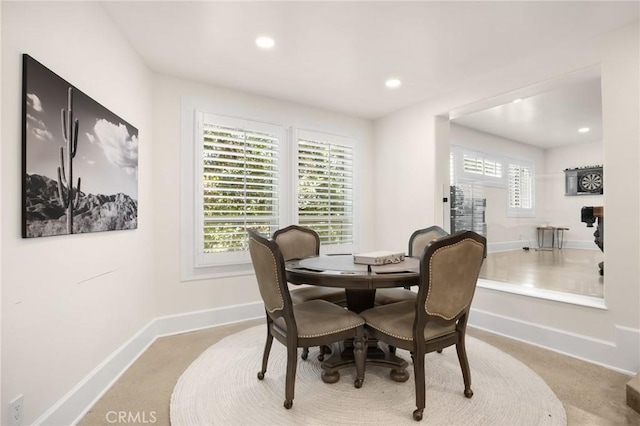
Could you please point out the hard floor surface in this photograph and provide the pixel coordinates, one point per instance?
(566, 270)
(591, 395)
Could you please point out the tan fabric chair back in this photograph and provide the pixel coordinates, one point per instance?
(423, 237)
(269, 268)
(450, 269)
(297, 242)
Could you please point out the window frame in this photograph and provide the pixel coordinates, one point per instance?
(462, 176)
(238, 257)
(521, 211)
(316, 136)
(193, 266)
(189, 211)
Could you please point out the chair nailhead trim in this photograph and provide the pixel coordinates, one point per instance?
(330, 332)
(426, 303)
(391, 334)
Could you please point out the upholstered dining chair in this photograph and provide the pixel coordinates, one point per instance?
(417, 243)
(449, 269)
(298, 242)
(311, 323)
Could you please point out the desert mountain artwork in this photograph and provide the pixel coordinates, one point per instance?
(80, 160)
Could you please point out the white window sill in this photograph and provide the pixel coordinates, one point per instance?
(215, 272)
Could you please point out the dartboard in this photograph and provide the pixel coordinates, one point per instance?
(591, 181)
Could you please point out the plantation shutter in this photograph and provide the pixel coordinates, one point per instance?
(240, 182)
(492, 168)
(472, 163)
(452, 168)
(520, 187)
(325, 186)
(477, 163)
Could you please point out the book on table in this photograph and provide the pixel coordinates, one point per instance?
(378, 258)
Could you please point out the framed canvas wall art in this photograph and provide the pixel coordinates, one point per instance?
(79, 160)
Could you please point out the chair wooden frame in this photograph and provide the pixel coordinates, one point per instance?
(305, 252)
(417, 234)
(418, 346)
(393, 295)
(309, 232)
(414, 249)
(288, 336)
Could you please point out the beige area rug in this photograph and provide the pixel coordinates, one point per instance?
(221, 388)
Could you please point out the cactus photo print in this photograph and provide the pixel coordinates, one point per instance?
(79, 160)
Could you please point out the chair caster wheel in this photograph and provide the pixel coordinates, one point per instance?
(260, 375)
(417, 415)
(288, 403)
(358, 383)
(304, 356)
(440, 351)
(468, 393)
(324, 349)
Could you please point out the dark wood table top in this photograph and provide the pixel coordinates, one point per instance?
(340, 271)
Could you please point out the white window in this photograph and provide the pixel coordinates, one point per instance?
(231, 181)
(521, 193)
(452, 169)
(480, 167)
(517, 176)
(325, 187)
(239, 174)
(239, 186)
(478, 163)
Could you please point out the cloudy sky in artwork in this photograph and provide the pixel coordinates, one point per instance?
(107, 153)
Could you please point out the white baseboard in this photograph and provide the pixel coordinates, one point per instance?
(506, 246)
(72, 406)
(621, 355)
(70, 409)
(192, 321)
(584, 245)
(518, 245)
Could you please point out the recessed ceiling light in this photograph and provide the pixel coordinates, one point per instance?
(393, 83)
(583, 129)
(265, 42)
(515, 101)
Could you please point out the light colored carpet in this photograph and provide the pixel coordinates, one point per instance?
(221, 388)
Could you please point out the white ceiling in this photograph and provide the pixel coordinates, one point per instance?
(337, 55)
(546, 120)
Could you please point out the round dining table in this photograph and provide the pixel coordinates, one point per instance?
(360, 282)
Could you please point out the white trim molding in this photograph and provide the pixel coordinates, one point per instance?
(72, 407)
(532, 244)
(620, 355)
(543, 293)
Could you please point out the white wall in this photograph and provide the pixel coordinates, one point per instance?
(563, 210)
(552, 206)
(407, 189)
(500, 228)
(406, 171)
(175, 296)
(1, 210)
(68, 302)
